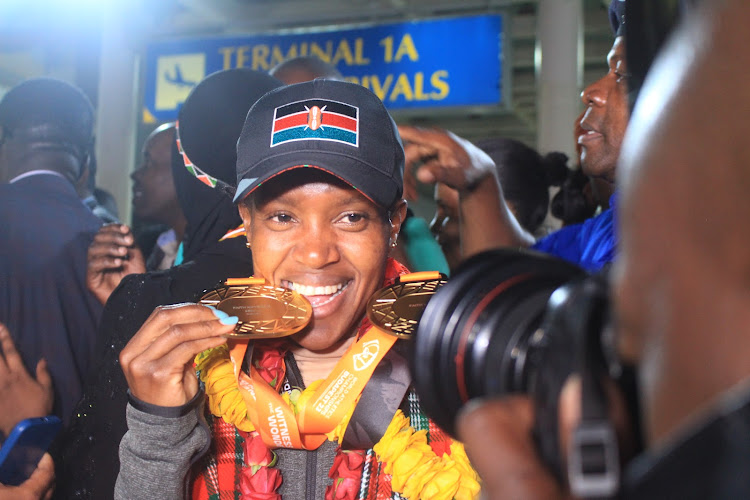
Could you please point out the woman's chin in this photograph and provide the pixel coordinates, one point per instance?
(320, 342)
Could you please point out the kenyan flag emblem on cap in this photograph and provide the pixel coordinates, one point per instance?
(316, 119)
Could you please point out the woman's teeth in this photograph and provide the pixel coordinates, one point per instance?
(315, 290)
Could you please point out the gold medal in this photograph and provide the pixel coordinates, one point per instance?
(396, 309)
(264, 311)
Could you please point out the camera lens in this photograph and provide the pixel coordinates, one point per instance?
(477, 335)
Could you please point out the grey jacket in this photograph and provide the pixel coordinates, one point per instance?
(158, 450)
(156, 454)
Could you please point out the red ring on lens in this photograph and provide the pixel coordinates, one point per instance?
(463, 339)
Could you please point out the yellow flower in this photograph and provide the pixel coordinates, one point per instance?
(408, 457)
(391, 449)
(469, 486)
(216, 383)
(399, 422)
(399, 436)
(415, 483)
(224, 398)
(338, 432)
(406, 464)
(458, 455)
(413, 467)
(417, 473)
(211, 357)
(306, 395)
(444, 484)
(286, 398)
(468, 489)
(203, 356)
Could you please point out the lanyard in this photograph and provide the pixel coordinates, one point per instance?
(277, 422)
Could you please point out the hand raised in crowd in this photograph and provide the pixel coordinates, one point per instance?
(445, 158)
(486, 222)
(158, 360)
(112, 256)
(39, 486)
(22, 395)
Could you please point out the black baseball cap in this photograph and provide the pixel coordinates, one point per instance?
(338, 127)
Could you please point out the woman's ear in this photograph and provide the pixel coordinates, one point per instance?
(247, 219)
(398, 215)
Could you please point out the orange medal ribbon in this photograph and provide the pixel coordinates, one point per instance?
(276, 422)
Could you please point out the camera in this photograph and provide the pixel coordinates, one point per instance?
(520, 322)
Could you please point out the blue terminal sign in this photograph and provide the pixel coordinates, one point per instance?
(421, 64)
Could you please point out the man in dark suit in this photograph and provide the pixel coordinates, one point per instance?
(45, 135)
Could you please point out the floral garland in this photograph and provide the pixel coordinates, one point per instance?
(416, 470)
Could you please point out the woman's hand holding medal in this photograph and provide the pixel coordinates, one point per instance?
(158, 360)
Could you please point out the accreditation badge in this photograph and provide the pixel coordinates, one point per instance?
(397, 309)
(264, 311)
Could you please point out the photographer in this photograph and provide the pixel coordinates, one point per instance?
(681, 315)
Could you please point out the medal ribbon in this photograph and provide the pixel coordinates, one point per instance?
(276, 422)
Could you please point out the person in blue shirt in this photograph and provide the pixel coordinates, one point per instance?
(486, 220)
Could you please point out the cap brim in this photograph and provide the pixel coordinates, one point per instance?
(247, 186)
(346, 168)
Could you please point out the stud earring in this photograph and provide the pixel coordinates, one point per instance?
(248, 245)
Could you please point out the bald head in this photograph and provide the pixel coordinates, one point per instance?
(684, 310)
(304, 69)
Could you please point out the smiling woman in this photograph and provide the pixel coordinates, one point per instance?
(322, 207)
(313, 233)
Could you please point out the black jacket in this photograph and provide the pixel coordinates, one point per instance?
(87, 460)
(45, 232)
(86, 456)
(709, 460)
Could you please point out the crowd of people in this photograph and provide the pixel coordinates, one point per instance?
(160, 400)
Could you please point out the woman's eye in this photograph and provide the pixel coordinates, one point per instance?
(621, 76)
(281, 218)
(353, 219)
